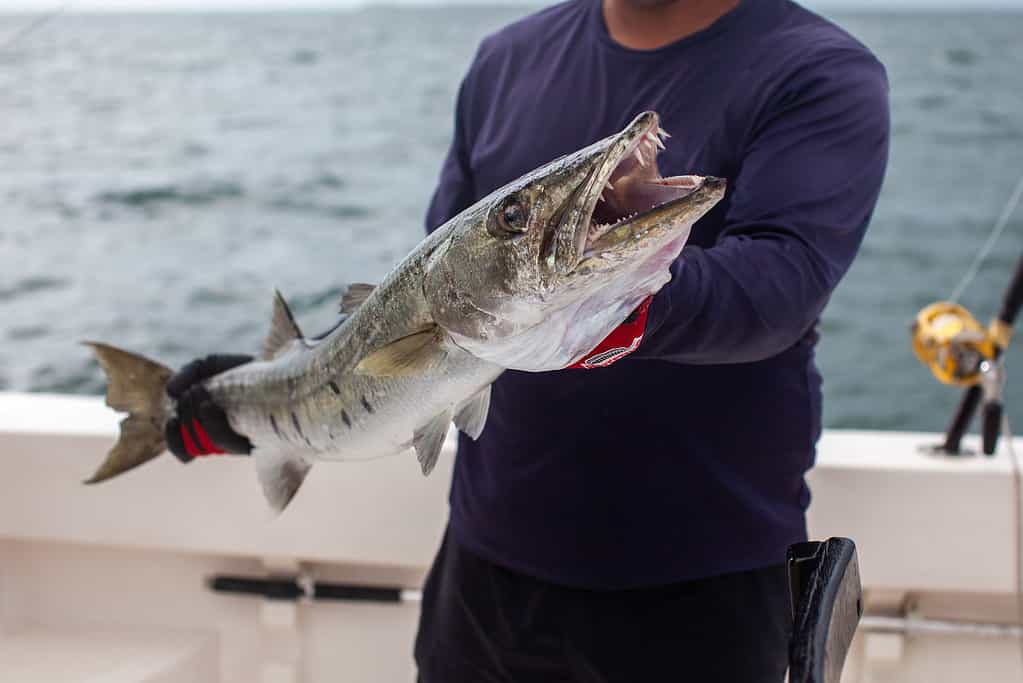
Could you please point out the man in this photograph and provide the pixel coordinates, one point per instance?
(628, 523)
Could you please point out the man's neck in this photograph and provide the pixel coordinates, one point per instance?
(648, 25)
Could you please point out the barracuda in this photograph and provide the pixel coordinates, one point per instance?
(531, 277)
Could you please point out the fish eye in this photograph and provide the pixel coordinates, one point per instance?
(512, 218)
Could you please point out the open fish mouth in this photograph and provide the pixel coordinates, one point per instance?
(623, 188)
(636, 188)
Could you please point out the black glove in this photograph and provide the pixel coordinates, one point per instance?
(200, 426)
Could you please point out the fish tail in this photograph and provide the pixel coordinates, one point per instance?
(137, 386)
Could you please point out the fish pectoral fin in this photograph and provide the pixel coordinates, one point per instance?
(280, 475)
(283, 328)
(416, 353)
(472, 415)
(356, 293)
(429, 439)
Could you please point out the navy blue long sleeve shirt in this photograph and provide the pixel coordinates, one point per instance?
(687, 458)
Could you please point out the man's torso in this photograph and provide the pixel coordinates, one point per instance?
(646, 472)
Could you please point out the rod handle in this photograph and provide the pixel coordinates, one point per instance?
(991, 426)
(1013, 300)
(961, 420)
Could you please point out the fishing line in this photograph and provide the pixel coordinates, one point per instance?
(996, 232)
(34, 25)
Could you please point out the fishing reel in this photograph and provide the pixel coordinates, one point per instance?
(959, 351)
(953, 345)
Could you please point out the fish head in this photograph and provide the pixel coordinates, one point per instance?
(534, 275)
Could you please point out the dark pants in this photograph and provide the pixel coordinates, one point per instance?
(484, 624)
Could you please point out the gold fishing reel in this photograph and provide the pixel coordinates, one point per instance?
(950, 341)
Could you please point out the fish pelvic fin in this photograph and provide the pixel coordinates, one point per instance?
(283, 328)
(280, 474)
(429, 440)
(135, 385)
(472, 415)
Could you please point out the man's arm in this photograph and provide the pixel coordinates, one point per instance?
(802, 199)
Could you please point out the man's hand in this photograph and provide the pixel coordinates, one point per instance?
(622, 341)
(200, 426)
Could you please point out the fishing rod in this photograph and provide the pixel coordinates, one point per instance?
(960, 351)
(957, 350)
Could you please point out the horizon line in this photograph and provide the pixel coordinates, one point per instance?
(197, 7)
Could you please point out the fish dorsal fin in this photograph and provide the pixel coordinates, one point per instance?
(356, 293)
(472, 415)
(429, 439)
(283, 328)
(280, 474)
(410, 355)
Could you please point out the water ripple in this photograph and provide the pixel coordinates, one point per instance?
(32, 285)
(28, 332)
(187, 195)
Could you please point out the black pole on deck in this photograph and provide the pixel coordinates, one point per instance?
(295, 588)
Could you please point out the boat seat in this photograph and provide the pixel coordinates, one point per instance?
(827, 603)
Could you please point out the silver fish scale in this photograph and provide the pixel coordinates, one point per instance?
(309, 401)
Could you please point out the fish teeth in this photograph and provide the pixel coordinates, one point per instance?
(654, 141)
(639, 157)
(609, 186)
(663, 133)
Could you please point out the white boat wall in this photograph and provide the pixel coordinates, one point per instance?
(108, 583)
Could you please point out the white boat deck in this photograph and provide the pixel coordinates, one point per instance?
(86, 654)
(106, 583)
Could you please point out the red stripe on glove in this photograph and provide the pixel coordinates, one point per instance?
(204, 440)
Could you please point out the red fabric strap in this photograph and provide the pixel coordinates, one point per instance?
(205, 446)
(622, 341)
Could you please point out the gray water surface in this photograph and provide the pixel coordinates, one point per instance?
(162, 173)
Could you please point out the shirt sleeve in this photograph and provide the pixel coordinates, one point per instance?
(800, 204)
(455, 190)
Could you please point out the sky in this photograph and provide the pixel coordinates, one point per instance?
(260, 5)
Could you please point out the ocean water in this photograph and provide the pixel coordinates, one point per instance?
(160, 174)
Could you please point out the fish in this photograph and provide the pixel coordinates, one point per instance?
(531, 277)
